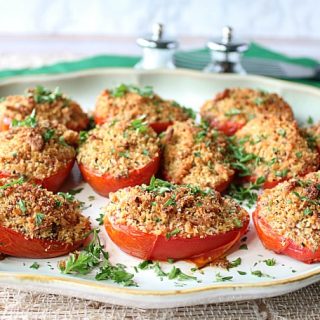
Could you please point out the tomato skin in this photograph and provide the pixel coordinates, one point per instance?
(105, 183)
(5, 123)
(15, 244)
(279, 244)
(148, 246)
(228, 127)
(52, 183)
(158, 127)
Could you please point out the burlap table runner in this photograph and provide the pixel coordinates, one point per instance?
(302, 304)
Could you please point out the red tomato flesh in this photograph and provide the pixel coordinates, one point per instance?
(229, 128)
(277, 243)
(16, 244)
(105, 183)
(148, 246)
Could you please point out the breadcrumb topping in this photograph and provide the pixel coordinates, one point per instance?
(312, 135)
(119, 147)
(166, 209)
(38, 213)
(130, 104)
(49, 105)
(37, 152)
(240, 105)
(276, 149)
(195, 154)
(292, 210)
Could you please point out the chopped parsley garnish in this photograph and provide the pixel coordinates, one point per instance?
(190, 112)
(122, 89)
(94, 256)
(29, 121)
(145, 152)
(282, 132)
(237, 222)
(39, 218)
(307, 212)
(259, 101)
(83, 136)
(243, 247)
(310, 120)
(74, 191)
(270, 262)
(170, 202)
(22, 205)
(44, 95)
(159, 186)
(235, 263)
(139, 125)
(172, 233)
(18, 181)
(304, 198)
(49, 134)
(100, 219)
(242, 273)
(145, 264)
(221, 278)
(176, 273)
(35, 265)
(246, 194)
(233, 112)
(66, 195)
(203, 132)
(282, 173)
(257, 273)
(170, 260)
(62, 141)
(197, 154)
(124, 154)
(299, 154)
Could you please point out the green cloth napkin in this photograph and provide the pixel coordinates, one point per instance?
(114, 61)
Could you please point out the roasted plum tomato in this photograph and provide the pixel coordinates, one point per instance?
(35, 223)
(47, 104)
(164, 220)
(119, 154)
(231, 109)
(196, 154)
(130, 102)
(287, 218)
(43, 151)
(272, 148)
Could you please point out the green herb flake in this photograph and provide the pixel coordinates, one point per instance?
(39, 218)
(123, 89)
(233, 112)
(307, 212)
(22, 205)
(83, 136)
(310, 120)
(139, 125)
(145, 264)
(281, 132)
(29, 121)
(235, 263)
(100, 219)
(270, 262)
(44, 95)
(242, 273)
(172, 233)
(75, 191)
(176, 273)
(12, 183)
(48, 134)
(299, 154)
(124, 154)
(145, 152)
(170, 260)
(243, 247)
(282, 173)
(221, 278)
(35, 265)
(66, 195)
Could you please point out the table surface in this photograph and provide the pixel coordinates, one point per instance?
(18, 52)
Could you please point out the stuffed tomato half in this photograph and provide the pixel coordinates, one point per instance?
(163, 220)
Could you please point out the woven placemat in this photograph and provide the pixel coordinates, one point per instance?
(302, 304)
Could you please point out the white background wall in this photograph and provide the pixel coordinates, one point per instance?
(250, 18)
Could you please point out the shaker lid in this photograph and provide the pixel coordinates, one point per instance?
(156, 40)
(226, 43)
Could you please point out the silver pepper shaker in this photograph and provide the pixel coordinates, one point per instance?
(157, 52)
(226, 53)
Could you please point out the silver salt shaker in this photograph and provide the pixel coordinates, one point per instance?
(226, 54)
(157, 52)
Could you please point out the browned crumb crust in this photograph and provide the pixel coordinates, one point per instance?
(195, 154)
(278, 150)
(312, 135)
(48, 105)
(131, 105)
(118, 147)
(38, 213)
(183, 210)
(292, 210)
(37, 152)
(239, 105)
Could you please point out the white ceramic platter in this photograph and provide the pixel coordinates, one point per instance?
(191, 89)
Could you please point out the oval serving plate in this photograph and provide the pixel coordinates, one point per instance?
(191, 89)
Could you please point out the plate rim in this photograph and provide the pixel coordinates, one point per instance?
(10, 277)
